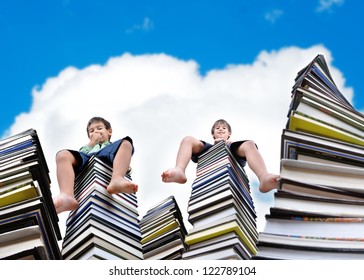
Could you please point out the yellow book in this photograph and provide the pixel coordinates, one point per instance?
(17, 195)
(299, 122)
(171, 225)
(219, 230)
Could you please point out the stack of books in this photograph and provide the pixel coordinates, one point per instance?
(104, 226)
(221, 209)
(163, 231)
(28, 219)
(318, 210)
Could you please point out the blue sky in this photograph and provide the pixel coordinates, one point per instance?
(41, 38)
(161, 70)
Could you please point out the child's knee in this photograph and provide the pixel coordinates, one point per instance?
(63, 155)
(189, 139)
(126, 145)
(249, 145)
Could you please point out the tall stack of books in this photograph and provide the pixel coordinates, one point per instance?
(221, 209)
(104, 226)
(318, 210)
(28, 219)
(163, 231)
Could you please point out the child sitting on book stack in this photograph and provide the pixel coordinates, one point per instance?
(244, 151)
(70, 163)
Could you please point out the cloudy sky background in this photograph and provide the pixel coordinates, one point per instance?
(171, 86)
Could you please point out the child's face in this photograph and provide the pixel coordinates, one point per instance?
(98, 130)
(221, 132)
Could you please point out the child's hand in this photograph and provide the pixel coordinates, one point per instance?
(95, 138)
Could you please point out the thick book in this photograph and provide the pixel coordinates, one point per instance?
(163, 239)
(92, 230)
(31, 212)
(341, 177)
(94, 240)
(105, 203)
(302, 122)
(176, 245)
(104, 225)
(19, 194)
(231, 241)
(226, 253)
(218, 210)
(96, 252)
(329, 243)
(19, 244)
(315, 226)
(309, 147)
(318, 191)
(95, 210)
(316, 74)
(220, 230)
(273, 252)
(321, 206)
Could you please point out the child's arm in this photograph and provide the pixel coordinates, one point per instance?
(94, 139)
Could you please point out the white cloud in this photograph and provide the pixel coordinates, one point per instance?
(328, 5)
(158, 99)
(273, 15)
(146, 25)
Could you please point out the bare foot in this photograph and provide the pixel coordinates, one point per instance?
(175, 175)
(268, 182)
(64, 202)
(121, 185)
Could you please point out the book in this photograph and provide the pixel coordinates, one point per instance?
(163, 231)
(223, 182)
(99, 213)
(19, 244)
(18, 194)
(27, 213)
(111, 229)
(332, 243)
(321, 206)
(165, 238)
(220, 230)
(113, 210)
(270, 252)
(317, 75)
(95, 240)
(97, 252)
(326, 109)
(103, 226)
(130, 252)
(165, 250)
(302, 122)
(225, 253)
(318, 207)
(341, 177)
(204, 215)
(159, 230)
(318, 191)
(231, 240)
(315, 226)
(309, 147)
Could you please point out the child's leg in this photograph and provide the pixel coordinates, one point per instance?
(267, 181)
(188, 146)
(65, 201)
(121, 163)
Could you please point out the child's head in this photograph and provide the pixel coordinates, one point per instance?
(221, 130)
(99, 124)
